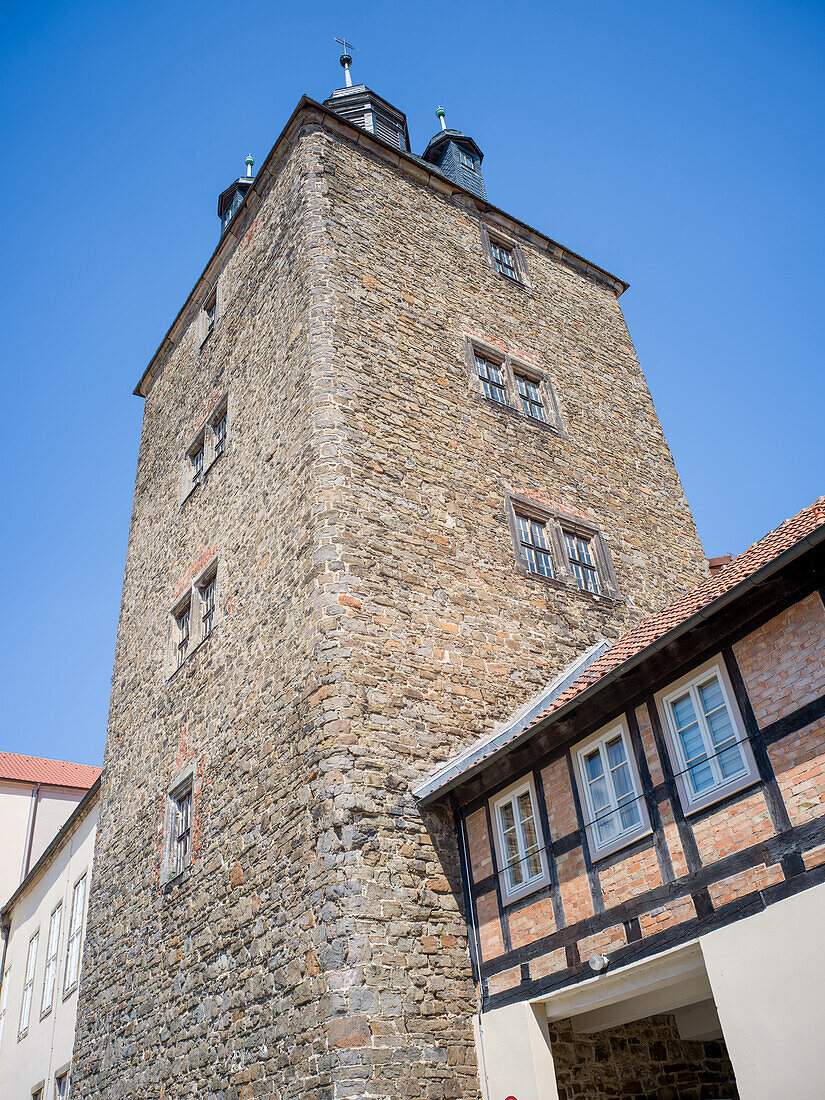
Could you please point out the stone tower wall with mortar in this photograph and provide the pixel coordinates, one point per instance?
(371, 623)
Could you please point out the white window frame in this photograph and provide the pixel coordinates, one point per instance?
(513, 893)
(52, 952)
(75, 936)
(205, 327)
(183, 783)
(691, 802)
(4, 1001)
(491, 236)
(205, 440)
(511, 368)
(598, 740)
(64, 1077)
(28, 985)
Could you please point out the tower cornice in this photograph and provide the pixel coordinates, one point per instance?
(309, 111)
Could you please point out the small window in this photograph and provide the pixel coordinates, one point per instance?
(519, 842)
(37, 1094)
(560, 547)
(50, 974)
(504, 260)
(580, 561)
(492, 379)
(26, 1003)
(196, 458)
(219, 434)
(61, 1087)
(534, 545)
(207, 446)
(182, 622)
(615, 813)
(467, 159)
(4, 1000)
(209, 315)
(207, 594)
(75, 936)
(712, 751)
(530, 395)
(182, 826)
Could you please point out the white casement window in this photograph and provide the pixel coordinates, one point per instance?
(467, 159)
(521, 387)
(493, 379)
(208, 316)
(504, 255)
(61, 1087)
(50, 975)
(712, 755)
(75, 936)
(183, 623)
(4, 1000)
(581, 560)
(530, 396)
(610, 790)
(182, 829)
(26, 1003)
(206, 591)
(519, 841)
(535, 545)
(204, 450)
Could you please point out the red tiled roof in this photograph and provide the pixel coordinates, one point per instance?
(728, 577)
(54, 773)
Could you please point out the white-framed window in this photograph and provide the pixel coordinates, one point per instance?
(50, 974)
(493, 379)
(610, 790)
(61, 1087)
(75, 935)
(177, 825)
(183, 630)
(504, 260)
(535, 545)
(28, 986)
(467, 159)
(4, 1000)
(530, 396)
(581, 560)
(206, 591)
(208, 316)
(519, 841)
(205, 449)
(711, 752)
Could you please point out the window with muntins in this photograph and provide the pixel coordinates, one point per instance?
(467, 159)
(182, 828)
(534, 545)
(26, 1003)
(50, 975)
(529, 393)
(713, 755)
(193, 619)
(208, 445)
(503, 259)
(519, 841)
(61, 1087)
(207, 594)
(492, 379)
(580, 561)
(182, 624)
(615, 813)
(75, 936)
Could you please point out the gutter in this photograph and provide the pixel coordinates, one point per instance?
(816, 538)
(437, 181)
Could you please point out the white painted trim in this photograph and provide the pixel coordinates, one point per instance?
(694, 802)
(511, 894)
(585, 748)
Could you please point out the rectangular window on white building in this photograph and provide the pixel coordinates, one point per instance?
(610, 790)
(519, 841)
(75, 936)
(707, 737)
(50, 974)
(61, 1087)
(26, 1003)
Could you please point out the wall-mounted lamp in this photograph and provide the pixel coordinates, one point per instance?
(598, 963)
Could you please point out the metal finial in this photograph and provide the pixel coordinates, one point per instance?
(249, 162)
(346, 59)
(440, 114)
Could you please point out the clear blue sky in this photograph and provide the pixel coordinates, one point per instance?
(678, 145)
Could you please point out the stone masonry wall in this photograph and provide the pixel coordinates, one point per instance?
(370, 623)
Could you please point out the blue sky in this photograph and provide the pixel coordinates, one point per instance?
(678, 145)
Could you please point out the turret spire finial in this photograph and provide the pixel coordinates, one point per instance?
(440, 114)
(249, 162)
(346, 59)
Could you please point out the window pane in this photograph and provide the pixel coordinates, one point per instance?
(598, 792)
(615, 752)
(539, 536)
(543, 564)
(607, 827)
(630, 815)
(683, 711)
(622, 782)
(593, 763)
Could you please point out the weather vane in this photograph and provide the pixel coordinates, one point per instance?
(346, 59)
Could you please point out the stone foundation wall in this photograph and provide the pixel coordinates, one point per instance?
(643, 1059)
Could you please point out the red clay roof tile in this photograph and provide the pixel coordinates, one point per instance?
(54, 773)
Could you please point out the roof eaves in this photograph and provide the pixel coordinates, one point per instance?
(76, 816)
(759, 577)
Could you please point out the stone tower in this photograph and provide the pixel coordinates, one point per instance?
(380, 439)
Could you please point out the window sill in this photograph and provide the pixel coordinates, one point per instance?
(189, 656)
(43, 1015)
(718, 794)
(569, 586)
(68, 992)
(513, 281)
(510, 410)
(197, 484)
(176, 880)
(511, 897)
(614, 846)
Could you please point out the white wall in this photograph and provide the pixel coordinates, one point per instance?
(54, 809)
(767, 974)
(47, 1046)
